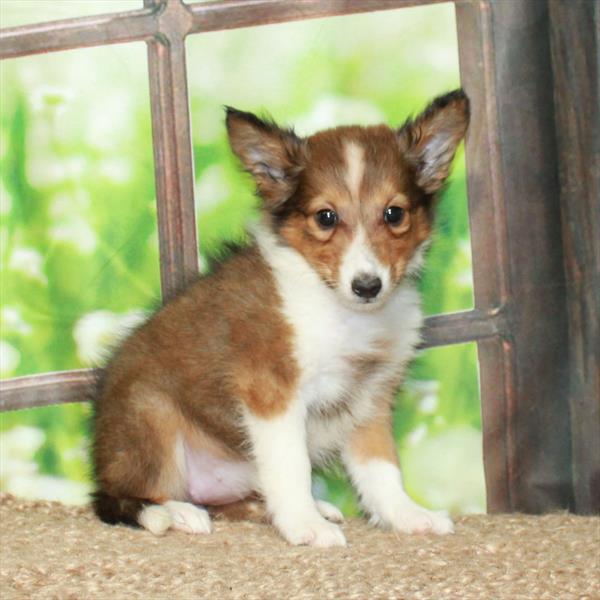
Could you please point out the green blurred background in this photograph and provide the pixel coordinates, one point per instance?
(78, 241)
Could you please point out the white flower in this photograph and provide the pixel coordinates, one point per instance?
(29, 262)
(13, 321)
(112, 122)
(338, 110)
(117, 170)
(10, 358)
(211, 188)
(428, 404)
(426, 392)
(21, 442)
(43, 170)
(19, 472)
(70, 226)
(445, 469)
(65, 204)
(417, 434)
(76, 231)
(50, 98)
(47, 487)
(11, 467)
(99, 331)
(17, 448)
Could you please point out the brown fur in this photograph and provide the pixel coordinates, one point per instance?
(374, 440)
(184, 371)
(250, 509)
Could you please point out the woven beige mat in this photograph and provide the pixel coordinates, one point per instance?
(52, 551)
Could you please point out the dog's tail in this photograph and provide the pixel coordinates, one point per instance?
(132, 511)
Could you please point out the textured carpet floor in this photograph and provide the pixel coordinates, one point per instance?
(51, 551)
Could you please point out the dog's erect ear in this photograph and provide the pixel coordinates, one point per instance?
(274, 156)
(430, 140)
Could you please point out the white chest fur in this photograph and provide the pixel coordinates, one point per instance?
(329, 337)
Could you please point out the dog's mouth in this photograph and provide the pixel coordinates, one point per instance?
(354, 302)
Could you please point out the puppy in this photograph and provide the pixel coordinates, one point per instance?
(289, 353)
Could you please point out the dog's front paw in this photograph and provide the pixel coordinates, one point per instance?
(329, 511)
(311, 530)
(409, 517)
(188, 517)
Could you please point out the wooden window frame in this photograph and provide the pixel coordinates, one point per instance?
(533, 210)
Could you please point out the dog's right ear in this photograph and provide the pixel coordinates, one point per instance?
(272, 155)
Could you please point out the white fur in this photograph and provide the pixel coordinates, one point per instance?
(417, 260)
(155, 518)
(379, 484)
(355, 168)
(361, 260)
(329, 511)
(284, 474)
(188, 517)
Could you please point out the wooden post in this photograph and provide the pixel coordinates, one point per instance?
(575, 32)
(518, 262)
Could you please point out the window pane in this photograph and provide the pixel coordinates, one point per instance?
(78, 229)
(79, 252)
(24, 12)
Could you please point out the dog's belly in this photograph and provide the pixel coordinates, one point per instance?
(214, 481)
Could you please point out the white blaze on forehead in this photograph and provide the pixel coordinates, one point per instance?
(355, 167)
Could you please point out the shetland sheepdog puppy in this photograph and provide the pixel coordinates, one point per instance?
(290, 351)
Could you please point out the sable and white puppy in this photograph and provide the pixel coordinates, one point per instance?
(290, 352)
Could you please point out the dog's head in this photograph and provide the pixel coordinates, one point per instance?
(356, 202)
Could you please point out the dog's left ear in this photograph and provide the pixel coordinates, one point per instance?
(272, 155)
(429, 142)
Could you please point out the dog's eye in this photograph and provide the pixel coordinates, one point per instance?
(393, 215)
(327, 218)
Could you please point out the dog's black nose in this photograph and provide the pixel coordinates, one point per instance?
(366, 286)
